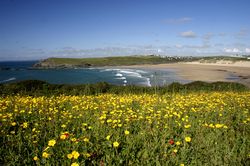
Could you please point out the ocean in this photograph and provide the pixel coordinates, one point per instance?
(21, 70)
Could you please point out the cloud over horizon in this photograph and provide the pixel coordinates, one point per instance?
(232, 50)
(188, 34)
(244, 32)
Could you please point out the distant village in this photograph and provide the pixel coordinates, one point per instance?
(176, 57)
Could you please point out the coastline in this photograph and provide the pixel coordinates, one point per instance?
(183, 72)
(208, 72)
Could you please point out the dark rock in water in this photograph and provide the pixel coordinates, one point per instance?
(87, 65)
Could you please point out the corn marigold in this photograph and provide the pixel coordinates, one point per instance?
(188, 139)
(52, 142)
(45, 155)
(116, 144)
(74, 164)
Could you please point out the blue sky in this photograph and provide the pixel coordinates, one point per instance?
(37, 29)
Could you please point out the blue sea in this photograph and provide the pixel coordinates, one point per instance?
(22, 70)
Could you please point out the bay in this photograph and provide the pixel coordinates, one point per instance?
(21, 70)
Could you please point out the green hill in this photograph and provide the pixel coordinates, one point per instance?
(105, 61)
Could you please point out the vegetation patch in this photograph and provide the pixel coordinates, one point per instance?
(126, 129)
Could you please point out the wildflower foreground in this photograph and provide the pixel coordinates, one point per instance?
(107, 129)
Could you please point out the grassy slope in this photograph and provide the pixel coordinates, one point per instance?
(127, 60)
(111, 61)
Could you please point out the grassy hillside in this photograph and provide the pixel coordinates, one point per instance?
(106, 61)
(127, 60)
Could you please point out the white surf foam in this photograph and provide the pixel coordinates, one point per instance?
(123, 74)
(148, 82)
(7, 80)
(110, 70)
(121, 78)
(119, 75)
(131, 73)
(141, 71)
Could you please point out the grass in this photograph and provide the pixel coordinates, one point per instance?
(193, 124)
(107, 61)
(41, 88)
(126, 61)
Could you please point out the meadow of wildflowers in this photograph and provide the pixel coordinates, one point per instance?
(208, 128)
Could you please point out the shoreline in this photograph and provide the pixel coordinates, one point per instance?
(208, 72)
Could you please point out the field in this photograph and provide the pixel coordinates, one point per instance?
(194, 128)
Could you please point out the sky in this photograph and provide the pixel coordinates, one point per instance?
(38, 29)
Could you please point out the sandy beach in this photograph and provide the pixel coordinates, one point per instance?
(208, 72)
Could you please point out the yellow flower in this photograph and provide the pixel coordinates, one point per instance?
(219, 125)
(35, 158)
(69, 156)
(187, 139)
(108, 137)
(115, 144)
(45, 155)
(182, 165)
(86, 140)
(25, 125)
(175, 150)
(126, 132)
(178, 143)
(75, 154)
(187, 126)
(63, 136)
(52, 142)
(74, 164)
(13, 123)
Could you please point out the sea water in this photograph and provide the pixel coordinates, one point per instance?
(21, 70)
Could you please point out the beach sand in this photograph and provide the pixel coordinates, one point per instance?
(208, 72)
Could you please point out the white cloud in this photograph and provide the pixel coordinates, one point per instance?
(208, 36)
(232, 50)
(203, 46)
(188, 34)
(178, 46)
(111, 51)
(242, 33)
(247, 50)
(178, 20)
